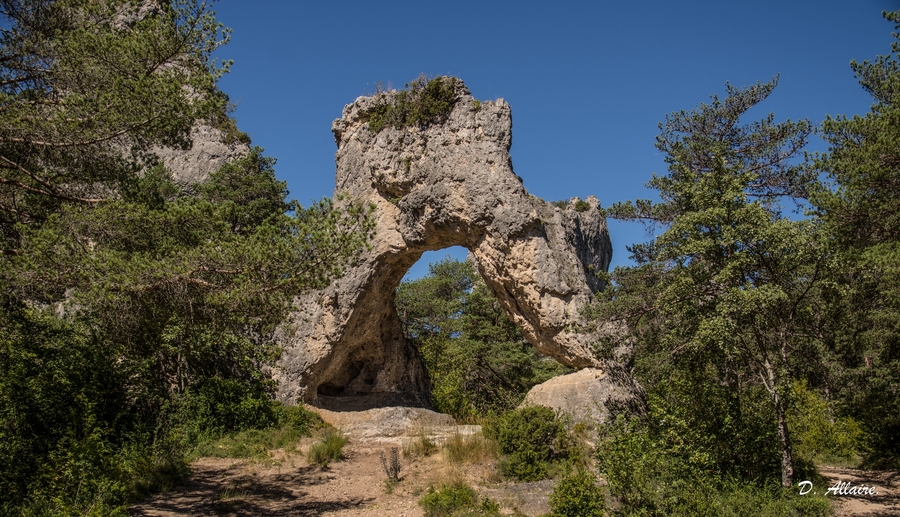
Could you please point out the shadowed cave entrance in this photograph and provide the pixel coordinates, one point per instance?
(355, 388)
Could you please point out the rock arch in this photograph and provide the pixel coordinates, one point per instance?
(447, 184)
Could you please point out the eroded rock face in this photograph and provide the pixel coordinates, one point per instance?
(450, 184)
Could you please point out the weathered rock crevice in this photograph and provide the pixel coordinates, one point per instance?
(449, 184)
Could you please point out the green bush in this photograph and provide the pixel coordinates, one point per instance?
(82, 477)
(818, 435)
(328, 448)
(652, 474)
(531, 438)
(582, 206)
(457, 500)
(423, 102)
(577, 495)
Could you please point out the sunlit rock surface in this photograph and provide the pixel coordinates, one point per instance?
(450, 184)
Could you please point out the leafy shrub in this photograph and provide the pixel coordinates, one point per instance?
(423, 102)
(577, 495)
(218, 406)
(818, 435)
(328, 448)
(524, 465)
(531, 438)
(457, 500)
(649, 475)
(82, 477)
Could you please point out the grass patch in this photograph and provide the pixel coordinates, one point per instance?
(253, 444)
(471, 449)
(153, 471)
(328, 448)
(422, 445)
(292, 424)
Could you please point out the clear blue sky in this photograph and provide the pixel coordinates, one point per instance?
(588, 82)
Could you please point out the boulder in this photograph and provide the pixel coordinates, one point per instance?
(588, 395)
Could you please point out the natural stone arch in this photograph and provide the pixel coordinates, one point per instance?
(449, 184)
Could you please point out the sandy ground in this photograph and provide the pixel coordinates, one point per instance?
(885, 502)
(288, 486)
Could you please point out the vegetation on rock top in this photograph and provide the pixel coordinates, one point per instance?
(421, 103)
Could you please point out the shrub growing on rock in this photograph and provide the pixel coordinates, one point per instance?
(423, 102)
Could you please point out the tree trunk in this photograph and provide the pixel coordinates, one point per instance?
(787, 458)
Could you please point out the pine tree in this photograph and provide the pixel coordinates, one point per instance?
(727, 292)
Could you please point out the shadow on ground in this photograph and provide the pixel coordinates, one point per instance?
(231, 491)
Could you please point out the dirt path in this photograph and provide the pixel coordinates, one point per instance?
(885, 502)
(289, 486)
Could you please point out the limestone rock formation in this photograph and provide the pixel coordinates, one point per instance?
(589, 394)
(448, 184)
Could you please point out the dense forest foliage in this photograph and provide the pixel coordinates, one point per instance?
(766, 343)
(137, 313)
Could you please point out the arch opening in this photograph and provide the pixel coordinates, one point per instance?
(476, 358)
